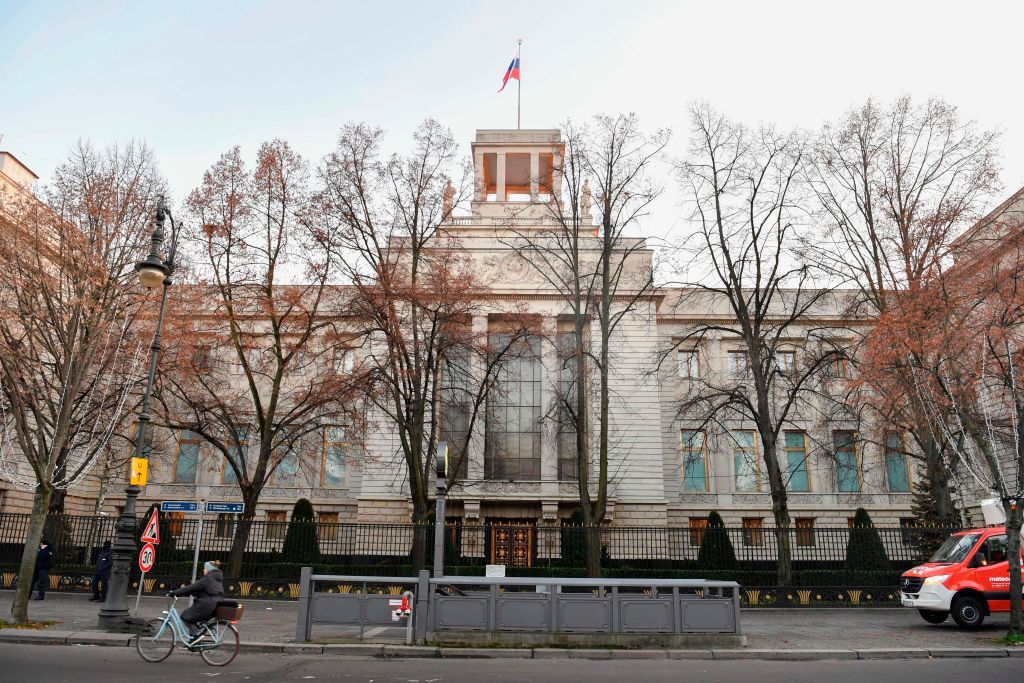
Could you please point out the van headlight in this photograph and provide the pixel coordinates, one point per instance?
(931, 580)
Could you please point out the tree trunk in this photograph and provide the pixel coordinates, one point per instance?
(1014, 520)
(780, 509)
(938, 481)
(592, 549)
(419, 541)
(34, 533)
(238, 543)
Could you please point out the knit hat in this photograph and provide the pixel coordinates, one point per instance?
(209, 566)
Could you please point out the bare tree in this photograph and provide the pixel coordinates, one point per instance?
(414, 292)
(258, 362)
(742, 264)
(896, 184)
(603, 272)
(970, 387)
(69, 352)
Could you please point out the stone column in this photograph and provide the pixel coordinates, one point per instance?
(479, 190)
(500, 178)
(548, 395)
(534, 175)
(475, 452)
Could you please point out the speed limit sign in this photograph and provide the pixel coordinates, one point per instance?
(147, 557)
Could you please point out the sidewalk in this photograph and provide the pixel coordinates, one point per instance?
(795, 633)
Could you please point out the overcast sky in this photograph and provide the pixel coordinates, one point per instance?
(195, 78)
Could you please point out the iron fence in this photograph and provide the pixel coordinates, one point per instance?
(276, 551)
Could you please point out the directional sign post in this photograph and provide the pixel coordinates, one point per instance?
(147, 556)
(179, 506)
(226, 508)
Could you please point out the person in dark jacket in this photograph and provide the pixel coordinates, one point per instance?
(41, 573)
(207, 591)
(104, 563)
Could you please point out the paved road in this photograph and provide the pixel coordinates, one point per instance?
(41, 664)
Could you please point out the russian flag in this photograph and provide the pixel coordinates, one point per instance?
(513, 72)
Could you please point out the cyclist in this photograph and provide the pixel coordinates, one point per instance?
(207, 592)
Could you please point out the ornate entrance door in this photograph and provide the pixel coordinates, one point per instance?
(512, 544)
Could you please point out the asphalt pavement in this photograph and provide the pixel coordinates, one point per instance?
(41, 664)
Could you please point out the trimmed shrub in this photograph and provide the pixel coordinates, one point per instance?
(716, 551)
(301, 543)
(865, 551)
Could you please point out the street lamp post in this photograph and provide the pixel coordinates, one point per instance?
(153, 272)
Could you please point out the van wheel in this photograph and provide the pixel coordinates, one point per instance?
(933, 617)
(968, 612)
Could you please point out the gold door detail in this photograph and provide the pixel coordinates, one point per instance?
(512, 545)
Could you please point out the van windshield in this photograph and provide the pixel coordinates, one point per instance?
(955, 548)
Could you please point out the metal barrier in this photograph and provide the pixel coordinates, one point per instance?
(351, 601)
(491, 606)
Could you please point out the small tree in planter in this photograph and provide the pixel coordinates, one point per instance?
(865, 551)
(301, 543)
(716, 551)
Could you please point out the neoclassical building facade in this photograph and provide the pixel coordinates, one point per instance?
(667, 468)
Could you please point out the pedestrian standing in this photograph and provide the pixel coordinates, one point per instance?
(41, 574)
(104, 563)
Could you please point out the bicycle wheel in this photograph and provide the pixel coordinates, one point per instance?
(224, 653)
(151, 646)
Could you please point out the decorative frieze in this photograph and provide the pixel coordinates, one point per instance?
(699, 498)
(751, 499)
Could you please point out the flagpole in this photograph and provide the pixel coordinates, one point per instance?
(519, 83)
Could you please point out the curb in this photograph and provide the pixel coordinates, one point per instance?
(104, 639)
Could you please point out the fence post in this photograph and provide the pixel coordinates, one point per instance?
(420, 612)
(302, 625)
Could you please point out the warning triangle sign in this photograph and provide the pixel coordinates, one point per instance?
(151, 534)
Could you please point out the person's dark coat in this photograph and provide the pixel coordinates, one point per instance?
(207, 592)
(44, 559)
(104, 562)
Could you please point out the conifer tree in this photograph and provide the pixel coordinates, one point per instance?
(716, 551)
(864, 550)
(301, 543)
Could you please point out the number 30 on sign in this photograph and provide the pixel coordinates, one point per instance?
(147, 557)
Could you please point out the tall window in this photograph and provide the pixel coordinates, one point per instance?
(744, 456)
(456, 407)
(739, 364)
(286, 458)
(847, 465)
(187, 461)
(786, 361)
(694, 457)
(332, 471)
(837, 369)
(753, 531)
(568, 461)
(689, 364)
(344, 360)
(512, 445)
(237, 452)
(897, 468)
(797, 477)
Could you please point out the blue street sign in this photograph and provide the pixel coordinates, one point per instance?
(178, 506)
(229, 508)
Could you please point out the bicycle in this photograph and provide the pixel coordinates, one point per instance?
(156, 640)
